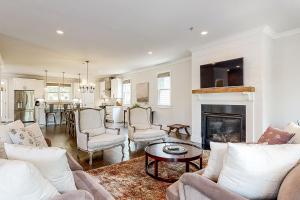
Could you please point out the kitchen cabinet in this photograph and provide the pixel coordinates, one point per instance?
(30, 84)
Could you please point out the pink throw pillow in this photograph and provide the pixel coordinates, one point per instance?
(275, 136)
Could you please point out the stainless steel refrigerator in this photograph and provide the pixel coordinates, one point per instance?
(24, 105)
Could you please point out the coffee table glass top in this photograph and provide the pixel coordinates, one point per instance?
(156, 150)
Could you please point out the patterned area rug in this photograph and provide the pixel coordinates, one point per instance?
(128, 180)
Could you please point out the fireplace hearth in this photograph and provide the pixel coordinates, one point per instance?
(223, 123)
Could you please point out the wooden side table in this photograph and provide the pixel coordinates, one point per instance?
(177, 128)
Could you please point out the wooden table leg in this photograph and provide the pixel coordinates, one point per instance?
(146, 163)
(200, 162)
(170, 130)
(187, 167)
(186, 130)
(156, 168)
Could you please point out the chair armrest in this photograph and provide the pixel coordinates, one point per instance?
(74, 165)
(156, 126)
(132, 127)
(114, 130)
(206, 187)
(74, 195)
(48, 141)
(82, 140)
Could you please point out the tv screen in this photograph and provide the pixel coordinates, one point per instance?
(222, 74)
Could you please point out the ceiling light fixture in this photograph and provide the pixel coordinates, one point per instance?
(150, 52)
(88, 87)
(204, 33)
(59, 32)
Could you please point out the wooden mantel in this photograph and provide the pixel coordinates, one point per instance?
(224, 90)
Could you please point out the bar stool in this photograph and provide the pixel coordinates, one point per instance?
(50, 112)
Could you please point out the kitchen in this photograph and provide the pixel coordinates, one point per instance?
(33, 95)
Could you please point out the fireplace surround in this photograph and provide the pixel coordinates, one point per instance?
(222, 123)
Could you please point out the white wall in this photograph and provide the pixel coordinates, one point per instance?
(254, 47)
(285, 101)
(180, 110)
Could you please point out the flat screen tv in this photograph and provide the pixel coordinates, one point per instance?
(222, 74)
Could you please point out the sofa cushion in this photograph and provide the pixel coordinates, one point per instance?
(36, 132)
(22, 180)
(289, 189)
(294, 128)
(51, 161)
(148, 134)
(215, 161)
(173, 191)
(256, 171)
(4, 135)
(104, 141)
(275, 136)
(22, 137)
(84, 181)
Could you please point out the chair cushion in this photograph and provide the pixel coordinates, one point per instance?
(95, 132)
(149, 134)
(289, 189)
(105, 140)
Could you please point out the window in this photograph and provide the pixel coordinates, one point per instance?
(126, 92)
(59, 92)
(164, 89)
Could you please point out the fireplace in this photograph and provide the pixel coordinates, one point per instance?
(223, 123)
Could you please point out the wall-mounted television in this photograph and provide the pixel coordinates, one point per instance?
(222, 74)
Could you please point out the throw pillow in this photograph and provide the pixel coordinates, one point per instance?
(275, 136)
(21, 136)
(51, 161)
(22, 180)
(215, 160)
(256, 171)
(294, 128)
(4, 136)
(34, 131)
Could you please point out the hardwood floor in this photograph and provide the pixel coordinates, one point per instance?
(59, 138)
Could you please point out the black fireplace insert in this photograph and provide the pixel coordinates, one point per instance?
(222, 123)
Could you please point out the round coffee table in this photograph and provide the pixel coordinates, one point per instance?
(155, 151)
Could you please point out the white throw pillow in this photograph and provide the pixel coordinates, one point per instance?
(294, 128)
(256, 171)
(36, 133)
(215, 161)
(22, 181)
(4, 135)
(21, 136)
(51, 161)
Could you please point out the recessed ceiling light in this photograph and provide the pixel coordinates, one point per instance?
(204, 33)
(150, 52)
(59, 32)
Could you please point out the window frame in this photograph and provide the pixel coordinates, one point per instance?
(158, 90)
(130, 95)
(60, 92)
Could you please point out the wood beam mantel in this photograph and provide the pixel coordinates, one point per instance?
(224, 90)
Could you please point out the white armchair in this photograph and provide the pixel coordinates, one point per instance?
(92, 134)
(140, 128)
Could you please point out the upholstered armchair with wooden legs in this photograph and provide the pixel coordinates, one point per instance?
(92, 134)
(140, 128)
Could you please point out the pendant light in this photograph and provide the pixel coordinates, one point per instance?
(88, 87)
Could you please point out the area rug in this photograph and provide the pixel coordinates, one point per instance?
(128, 180)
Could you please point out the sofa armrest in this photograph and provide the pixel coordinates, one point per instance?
(74, 165)
(74, 195)
(206, 188)
(156, 126)
(84, 181)
(48, 141)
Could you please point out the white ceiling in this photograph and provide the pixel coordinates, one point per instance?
(115, 35)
